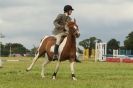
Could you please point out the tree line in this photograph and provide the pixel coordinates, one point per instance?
(111, 44)
(14, 48)
(89, 43)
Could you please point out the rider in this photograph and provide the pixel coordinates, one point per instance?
(59, 29)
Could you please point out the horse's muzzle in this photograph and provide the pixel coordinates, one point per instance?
(77, 35)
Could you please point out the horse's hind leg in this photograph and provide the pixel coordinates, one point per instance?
(43, 67)
(33, 62)
(72, 70)
(56, 70)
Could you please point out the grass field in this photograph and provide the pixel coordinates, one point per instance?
(90, 74)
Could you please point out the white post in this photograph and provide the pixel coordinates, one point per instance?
(96, 52)
(104, 48)
(115, 53)
(100, 51)
(105, 51)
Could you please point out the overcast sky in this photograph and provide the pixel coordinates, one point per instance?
(27, 21)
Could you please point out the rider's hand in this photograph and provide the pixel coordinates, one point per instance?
(64, 30)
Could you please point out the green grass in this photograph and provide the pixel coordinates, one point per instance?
(89, 74)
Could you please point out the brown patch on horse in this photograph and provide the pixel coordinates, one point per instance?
(69, 51)
(46, 45)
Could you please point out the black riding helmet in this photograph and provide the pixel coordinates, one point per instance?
(67, 8)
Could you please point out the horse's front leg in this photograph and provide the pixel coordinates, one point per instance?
(33, 62)
(72, 70)
(43, 67)
(56, 70)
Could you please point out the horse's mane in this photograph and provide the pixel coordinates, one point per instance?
(70, 24)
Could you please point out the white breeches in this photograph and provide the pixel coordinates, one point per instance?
(58, 37)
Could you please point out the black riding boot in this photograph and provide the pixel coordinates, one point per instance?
(55, 56)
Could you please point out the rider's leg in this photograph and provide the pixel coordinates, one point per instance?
(58, 41)
(55, 57)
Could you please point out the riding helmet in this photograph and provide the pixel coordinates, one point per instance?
(67, 8)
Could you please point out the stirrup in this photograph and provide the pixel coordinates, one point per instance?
(55, 57)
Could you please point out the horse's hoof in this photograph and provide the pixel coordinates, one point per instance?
(53, 77)
(43, 77)
(74, 78)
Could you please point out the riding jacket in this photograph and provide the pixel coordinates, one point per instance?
(59, 23)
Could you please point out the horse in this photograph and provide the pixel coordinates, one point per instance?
(67, 49)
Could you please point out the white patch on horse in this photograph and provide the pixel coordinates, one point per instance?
(42, 41)
(52, 48)
(61, 47)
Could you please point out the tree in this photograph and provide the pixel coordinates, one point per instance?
(84, 43)
(5, 51)
(33, 50)
(89, 44)
(112, 44)
(92, 45)
(128, 43)
(16, 48)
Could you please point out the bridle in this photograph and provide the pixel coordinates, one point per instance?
(76, 31)
(74, 27)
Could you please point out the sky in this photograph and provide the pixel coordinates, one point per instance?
(28, 21)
